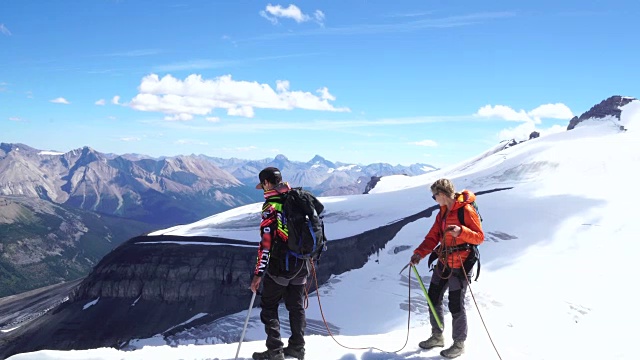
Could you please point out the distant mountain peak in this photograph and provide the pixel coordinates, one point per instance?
(8, 147)
(317, 159)
(608, 107)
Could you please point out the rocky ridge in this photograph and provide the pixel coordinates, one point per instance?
(607, 107)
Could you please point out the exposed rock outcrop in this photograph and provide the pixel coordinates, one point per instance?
(372, 183)
(144, 288)
(608, 107)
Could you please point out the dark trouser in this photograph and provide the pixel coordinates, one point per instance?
(457, 285)
(272, 293)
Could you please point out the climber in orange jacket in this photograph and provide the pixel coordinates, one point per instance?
(452, 270)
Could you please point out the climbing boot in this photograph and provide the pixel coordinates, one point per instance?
(454, 351)
(294, 353)
(436, 340)
(269, 355)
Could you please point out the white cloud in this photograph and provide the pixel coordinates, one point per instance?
(245, 111)
(4, 30)
(548, 111)
(503, 112)
(325, 95)
(129, 139)
(273, 12)
(16, 119)
(523, 131)
(552, 111)
(553, 130)
(520, 132)
(100, 102)
(429, 143)
(319, 17)
(395, 27)
(179, 117)
(229, 39)
(115, 100)
(213, 119)
(282, 85)
(197, 96)
(530, 119)
(60, 100)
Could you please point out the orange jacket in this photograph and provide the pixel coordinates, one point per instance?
(471, 233)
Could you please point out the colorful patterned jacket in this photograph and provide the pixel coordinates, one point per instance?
(272, 228)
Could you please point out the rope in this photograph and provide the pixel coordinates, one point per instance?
(446, 255)
(477, 307)
(362, 348)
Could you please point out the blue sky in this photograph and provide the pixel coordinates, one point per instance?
(354, 81)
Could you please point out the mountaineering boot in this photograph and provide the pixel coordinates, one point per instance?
(454, 351)
(294, 353)
(269, 355)
(436, 340)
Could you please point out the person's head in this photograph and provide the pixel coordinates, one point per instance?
(269, 177)
(442, 189)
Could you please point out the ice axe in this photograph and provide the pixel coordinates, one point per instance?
(406, 266)
(424, 289)
(246, 322)
(426, 295)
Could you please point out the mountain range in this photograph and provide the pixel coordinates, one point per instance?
(60, 213)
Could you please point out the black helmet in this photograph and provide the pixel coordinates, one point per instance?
(271, 174)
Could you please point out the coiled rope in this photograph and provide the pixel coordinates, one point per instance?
(361, 348)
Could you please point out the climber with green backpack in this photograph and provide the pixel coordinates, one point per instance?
(452, 241)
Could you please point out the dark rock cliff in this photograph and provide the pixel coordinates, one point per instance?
(608, 107)
(144, 288)
(372, 184)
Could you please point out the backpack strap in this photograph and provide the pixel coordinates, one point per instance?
(474, 248)
(478, 259)
(461, 215)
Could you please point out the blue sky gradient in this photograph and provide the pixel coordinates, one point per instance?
(354, 81)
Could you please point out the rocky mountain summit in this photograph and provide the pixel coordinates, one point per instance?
(166, 191)
(608, 107)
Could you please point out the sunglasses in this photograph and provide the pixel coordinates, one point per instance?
(434, 196)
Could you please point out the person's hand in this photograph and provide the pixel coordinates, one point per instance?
(455, 230)
(415, 259)
(255, 283)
